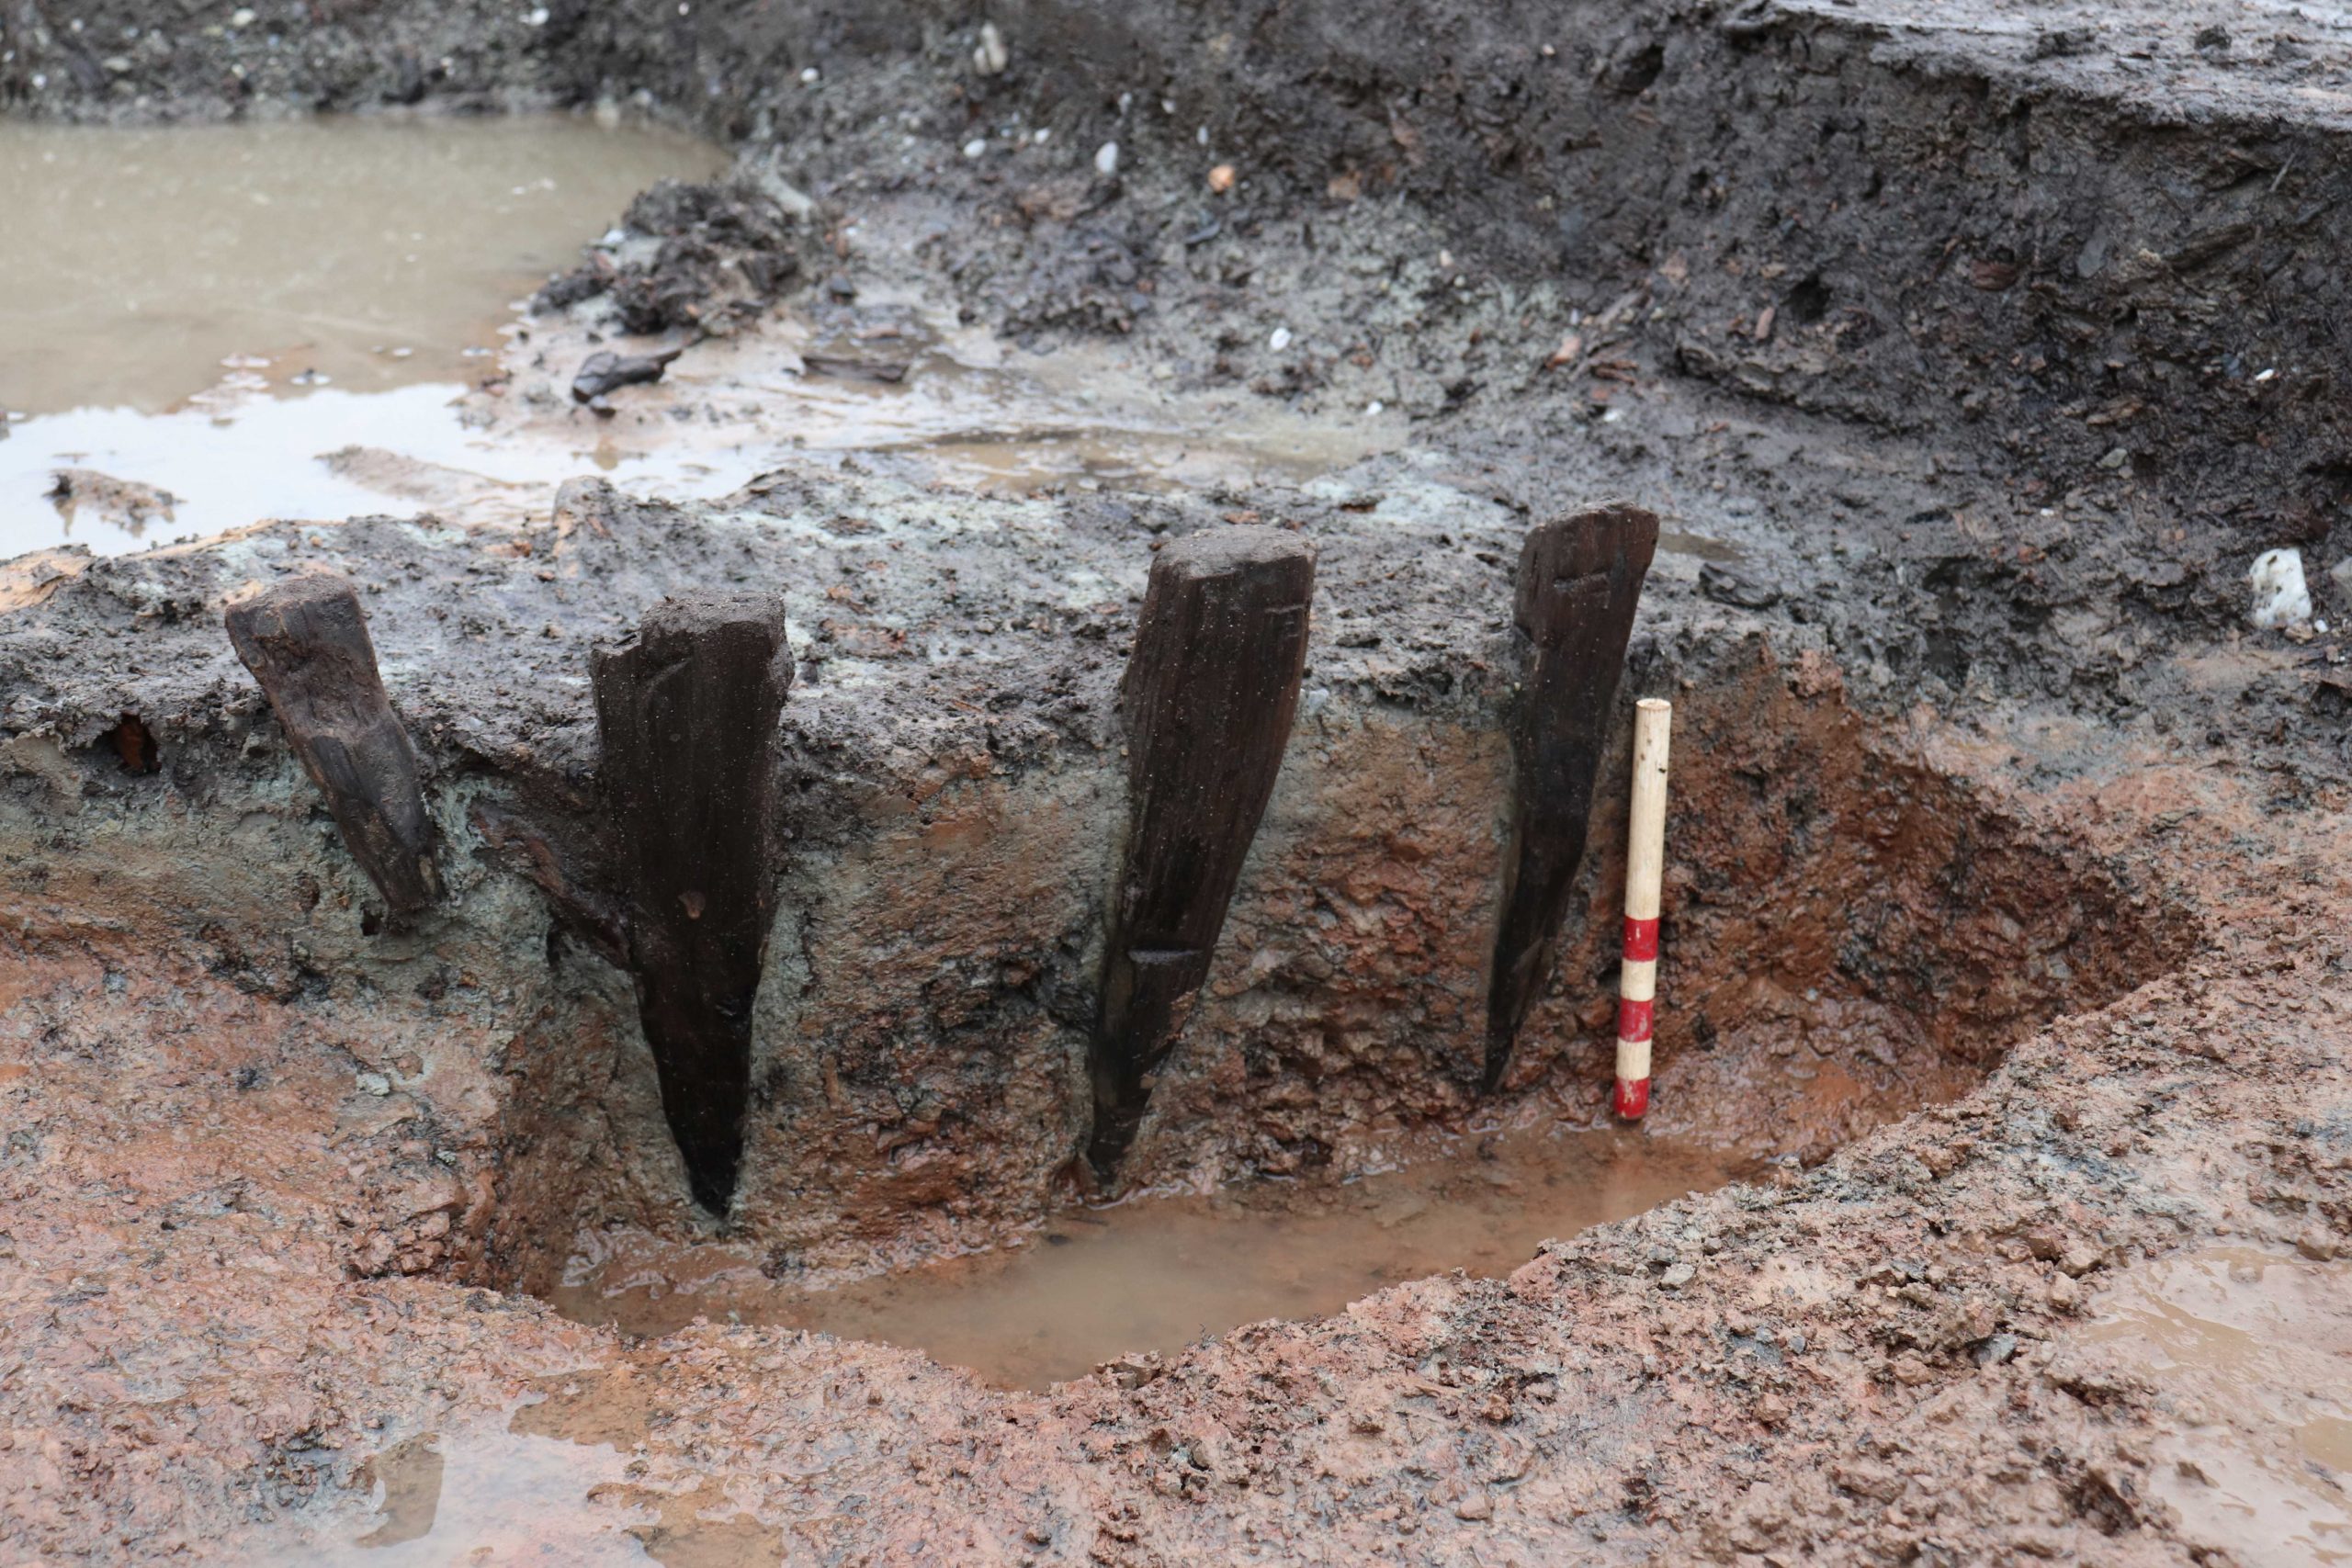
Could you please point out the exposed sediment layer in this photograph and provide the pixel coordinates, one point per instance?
(945, 807)
(1956, 324)
(2074, 231)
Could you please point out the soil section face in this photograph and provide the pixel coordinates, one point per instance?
(1996, 812)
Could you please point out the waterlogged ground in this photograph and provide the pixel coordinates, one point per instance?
(372, 253)
(1159, 1271)
(2249, 1346)
(214, 325)
(203, 314)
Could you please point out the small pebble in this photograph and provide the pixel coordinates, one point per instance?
(1221, 178)
(1279, 339)
(1106, 159)
(2281, 597)
(992, 56)
(976, 146)
(375, 1083)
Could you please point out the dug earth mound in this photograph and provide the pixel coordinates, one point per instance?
(1967, 359)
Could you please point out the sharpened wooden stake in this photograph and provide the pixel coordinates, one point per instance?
(1645, 875)
(1209, 694)
(687, 716)
(1580, 580)
(306, 642)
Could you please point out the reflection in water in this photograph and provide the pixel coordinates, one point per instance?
(2252, 1349)
(374, 250)
(325, 456)
(491, 1496)
(1157, 1273)
(958, 416)
(562, 1484)
(409, 1473)
(167, 286)
(213, 326)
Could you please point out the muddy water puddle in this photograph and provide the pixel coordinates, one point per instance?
(212, 326)
(372, 253)
(197, 316)
(895, 378)
(1156, 1273)
(2252, 1351)
(515, 1496)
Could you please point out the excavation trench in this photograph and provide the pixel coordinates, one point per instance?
(1850, 935)
(1973, 356)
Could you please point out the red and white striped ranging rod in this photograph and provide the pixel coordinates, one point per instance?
(1645, 873)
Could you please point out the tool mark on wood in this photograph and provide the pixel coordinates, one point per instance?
(306, 641)
(1580, 582)
(1209, 694)
(687, 716)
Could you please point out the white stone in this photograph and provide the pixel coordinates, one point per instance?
(1279, 339)
(976, 146)
(2280, 596)
(1106, 159)
(992, 56)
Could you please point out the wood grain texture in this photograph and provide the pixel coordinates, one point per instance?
(1580, 582)
(1209, 694)
(687, 714)
(306, 641)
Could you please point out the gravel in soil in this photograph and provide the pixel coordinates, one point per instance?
(1954, 328)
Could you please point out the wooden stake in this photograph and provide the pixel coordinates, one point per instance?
(1209, 692)
(1645, 875)
(306, 642)
(1580, 582)
(687, 716)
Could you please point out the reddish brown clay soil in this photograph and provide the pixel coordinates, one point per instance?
(1883, 1356)
(1983, 343)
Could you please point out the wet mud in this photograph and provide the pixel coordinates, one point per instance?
(1124, 1285)
(1992, 1203)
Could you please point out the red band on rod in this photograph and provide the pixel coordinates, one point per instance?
(1632, 1098)
(1641, 940)
(1632, 1020)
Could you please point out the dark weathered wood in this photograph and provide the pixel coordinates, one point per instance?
(306, 643)
(1209, 694)
(687, 714)
(514, 844)
(605, 371)
(1579, 579)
